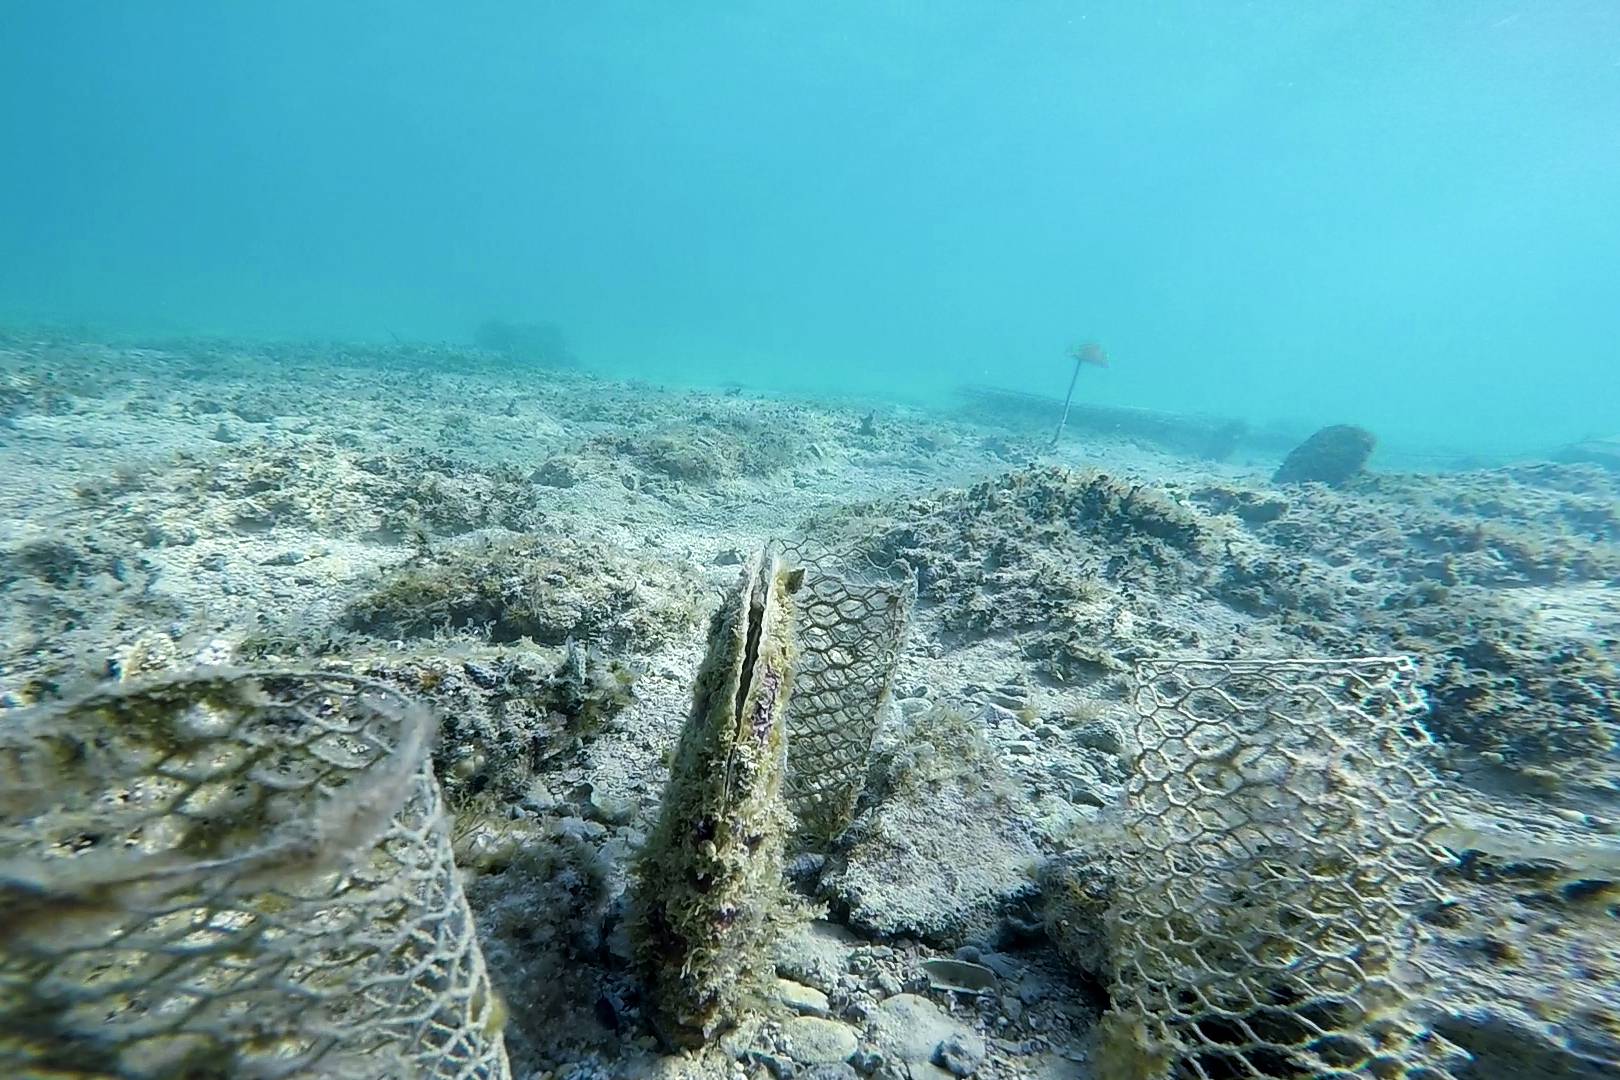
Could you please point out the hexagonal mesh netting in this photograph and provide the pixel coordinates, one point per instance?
(1278, 846)
(234, 874)
(851, 624)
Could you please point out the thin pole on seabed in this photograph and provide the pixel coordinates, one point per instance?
(1066, 399)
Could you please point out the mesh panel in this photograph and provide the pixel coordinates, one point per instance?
(1277, 847)
(224, 874)
(850, 624)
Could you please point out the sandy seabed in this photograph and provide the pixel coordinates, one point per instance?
(454, 524)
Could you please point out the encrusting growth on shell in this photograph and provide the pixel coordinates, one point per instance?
(709, 883)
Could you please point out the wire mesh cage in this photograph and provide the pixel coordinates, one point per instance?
(850, 623)
(1278, 846)
(234, 874)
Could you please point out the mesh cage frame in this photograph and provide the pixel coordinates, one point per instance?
(1278, 846)
(851, 619)
(231, 873)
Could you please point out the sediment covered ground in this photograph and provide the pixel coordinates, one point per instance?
(537, 553)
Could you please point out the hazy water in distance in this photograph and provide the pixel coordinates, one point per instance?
(1403, 215)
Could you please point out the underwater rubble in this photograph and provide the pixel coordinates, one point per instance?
(439, 524)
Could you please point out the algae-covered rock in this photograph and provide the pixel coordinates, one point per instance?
(1332, 456)
(550, 589)
(1062, 559)
(705, 453)
(1033, 548)
(505, 713)
(708, 887)
(696, 457)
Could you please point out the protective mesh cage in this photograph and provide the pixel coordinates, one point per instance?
(230, 874)
(1277, 850)
(851, 624)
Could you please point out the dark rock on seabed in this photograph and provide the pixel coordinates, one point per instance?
(1332, 456)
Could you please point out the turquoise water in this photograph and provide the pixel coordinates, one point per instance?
(1398, 215)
